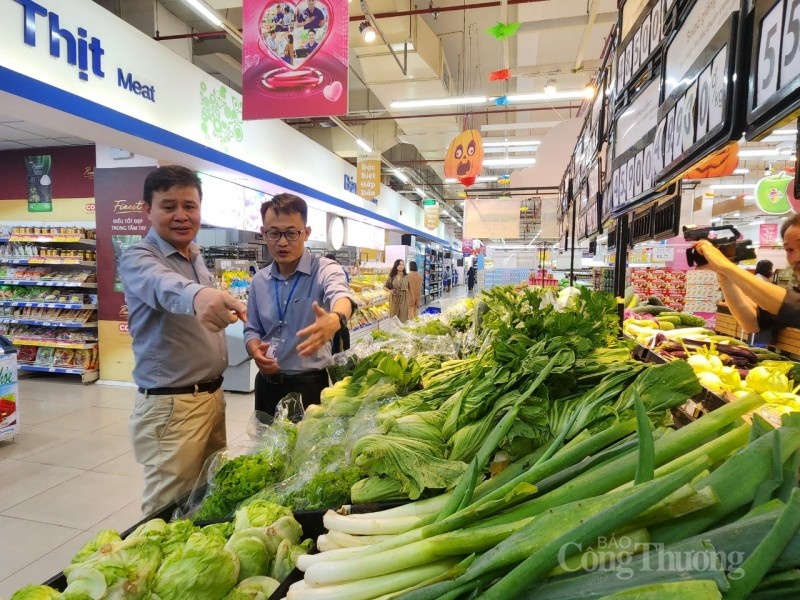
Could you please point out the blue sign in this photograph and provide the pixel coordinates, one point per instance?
(349, 184)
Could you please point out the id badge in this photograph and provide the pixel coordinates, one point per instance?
(274, 346)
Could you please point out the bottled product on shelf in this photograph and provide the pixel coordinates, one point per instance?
(668, 285)
(48, 299)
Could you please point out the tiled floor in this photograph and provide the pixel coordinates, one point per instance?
(70, 473)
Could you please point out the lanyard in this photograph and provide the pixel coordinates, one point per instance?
(283, 311)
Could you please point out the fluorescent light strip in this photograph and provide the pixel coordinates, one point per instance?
(497, 150)
(491, 143)
(205, 12)
(763, 152)
(436, 102)
(784, 132)
(518, 126)
(400, 175)
(363, 145)
(481, 179)
(732, 186)
(741, 171)
(508, 162)
(545, 97)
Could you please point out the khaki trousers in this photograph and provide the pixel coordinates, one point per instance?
(172, 438)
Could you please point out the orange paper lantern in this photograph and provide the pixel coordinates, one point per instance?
(719, 164)
(464, 158)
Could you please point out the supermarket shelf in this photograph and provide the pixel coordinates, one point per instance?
(34, 304)
(86, 375)
(48, 260)
(43, 323)
(33, 237)
(53, 344)
(48, 282)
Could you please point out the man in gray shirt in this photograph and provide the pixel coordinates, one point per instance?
(176, 318)
(295, 307)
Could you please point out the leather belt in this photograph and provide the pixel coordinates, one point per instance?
(307, 377)
(204, 387)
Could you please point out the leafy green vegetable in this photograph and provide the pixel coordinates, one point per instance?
(36, 592)
(203, 569)
(101, 539)
(259, 513)
(376, 489)
(254, 588)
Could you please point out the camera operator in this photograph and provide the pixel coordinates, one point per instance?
(757, 304)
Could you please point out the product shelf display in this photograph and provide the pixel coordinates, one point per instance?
(48, 299)
(702, 292)
(668, 285)
(372, 299)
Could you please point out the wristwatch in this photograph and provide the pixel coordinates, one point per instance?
(342, 320)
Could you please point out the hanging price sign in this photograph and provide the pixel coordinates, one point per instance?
(774, 96)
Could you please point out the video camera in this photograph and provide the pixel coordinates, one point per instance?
(732, 247)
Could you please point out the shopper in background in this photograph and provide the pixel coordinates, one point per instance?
(415, 289)
(757, 304)
(398, 284)
(764, 270)
(447, 278)
(176, 318)
(295, 307)
(288, 50)
(471, 278)
(341, 341)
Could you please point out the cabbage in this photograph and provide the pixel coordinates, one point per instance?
(101, 539)
(286, 558)
(252, 552)
(127, 565)
(86, 583)
(36, 592)
(203, 569)
(155, 529)
(285, 528)
(259, 513)
(253, 588)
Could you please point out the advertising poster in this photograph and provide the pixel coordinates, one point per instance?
(121, 222)
(368, 176)
(39, 184)
(767, 234)
(294, 58)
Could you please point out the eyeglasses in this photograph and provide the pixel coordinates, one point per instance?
(291, 235)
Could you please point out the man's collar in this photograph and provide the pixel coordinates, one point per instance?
(167, 248)
(304, 266)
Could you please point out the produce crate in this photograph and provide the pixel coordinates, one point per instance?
(788, 341)
(726, 324)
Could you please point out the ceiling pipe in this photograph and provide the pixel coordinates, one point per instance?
(441, 9)
(357, 120)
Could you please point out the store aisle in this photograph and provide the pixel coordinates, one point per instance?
(71, 473)
(455, 294)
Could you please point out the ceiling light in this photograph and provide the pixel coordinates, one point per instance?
(445, 213)
(732, 186)
(741, 171)
(419, 192)
(508, 162)
(518, 126)
(400, 175)
(545, 97)
(550, 87)
(436, 102)
(205, 12)
(517, 142)
(784, 132)
(367, 32)
(589, 91)
(762, 152)
(363, 145)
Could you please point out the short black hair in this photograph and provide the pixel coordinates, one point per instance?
(285, 204)
(331, 256)
(793, 221)
(412, 265)
(314, 31)
(764, 267)
(165, 178)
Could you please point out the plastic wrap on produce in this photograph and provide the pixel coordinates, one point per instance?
(240, 470)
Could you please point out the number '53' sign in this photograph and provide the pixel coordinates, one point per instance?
(776, 62)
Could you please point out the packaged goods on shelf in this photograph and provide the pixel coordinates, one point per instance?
(511, 276)
(603, 279)
(702, 292)
(668, 285)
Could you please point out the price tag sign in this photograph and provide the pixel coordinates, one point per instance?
(776, 65)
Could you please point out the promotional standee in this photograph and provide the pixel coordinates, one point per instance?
(295, 58)
(9, 417)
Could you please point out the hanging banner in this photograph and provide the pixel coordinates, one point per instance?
(491, 218)
(294, 58)
(767, 234)
(431, 210)
(368, 176)
(39, 185)
(772, 193)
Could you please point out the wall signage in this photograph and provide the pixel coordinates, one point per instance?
(75, 46)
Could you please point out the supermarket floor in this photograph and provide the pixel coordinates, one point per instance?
(70, 472)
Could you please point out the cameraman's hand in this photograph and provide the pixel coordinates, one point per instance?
(717, 261)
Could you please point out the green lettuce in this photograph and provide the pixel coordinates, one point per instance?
(254, 588)
(203, 569)
(36, 592)
(101, 539)
(259, 513)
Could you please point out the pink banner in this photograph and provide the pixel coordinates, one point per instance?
(295, 58)
(767, 234)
